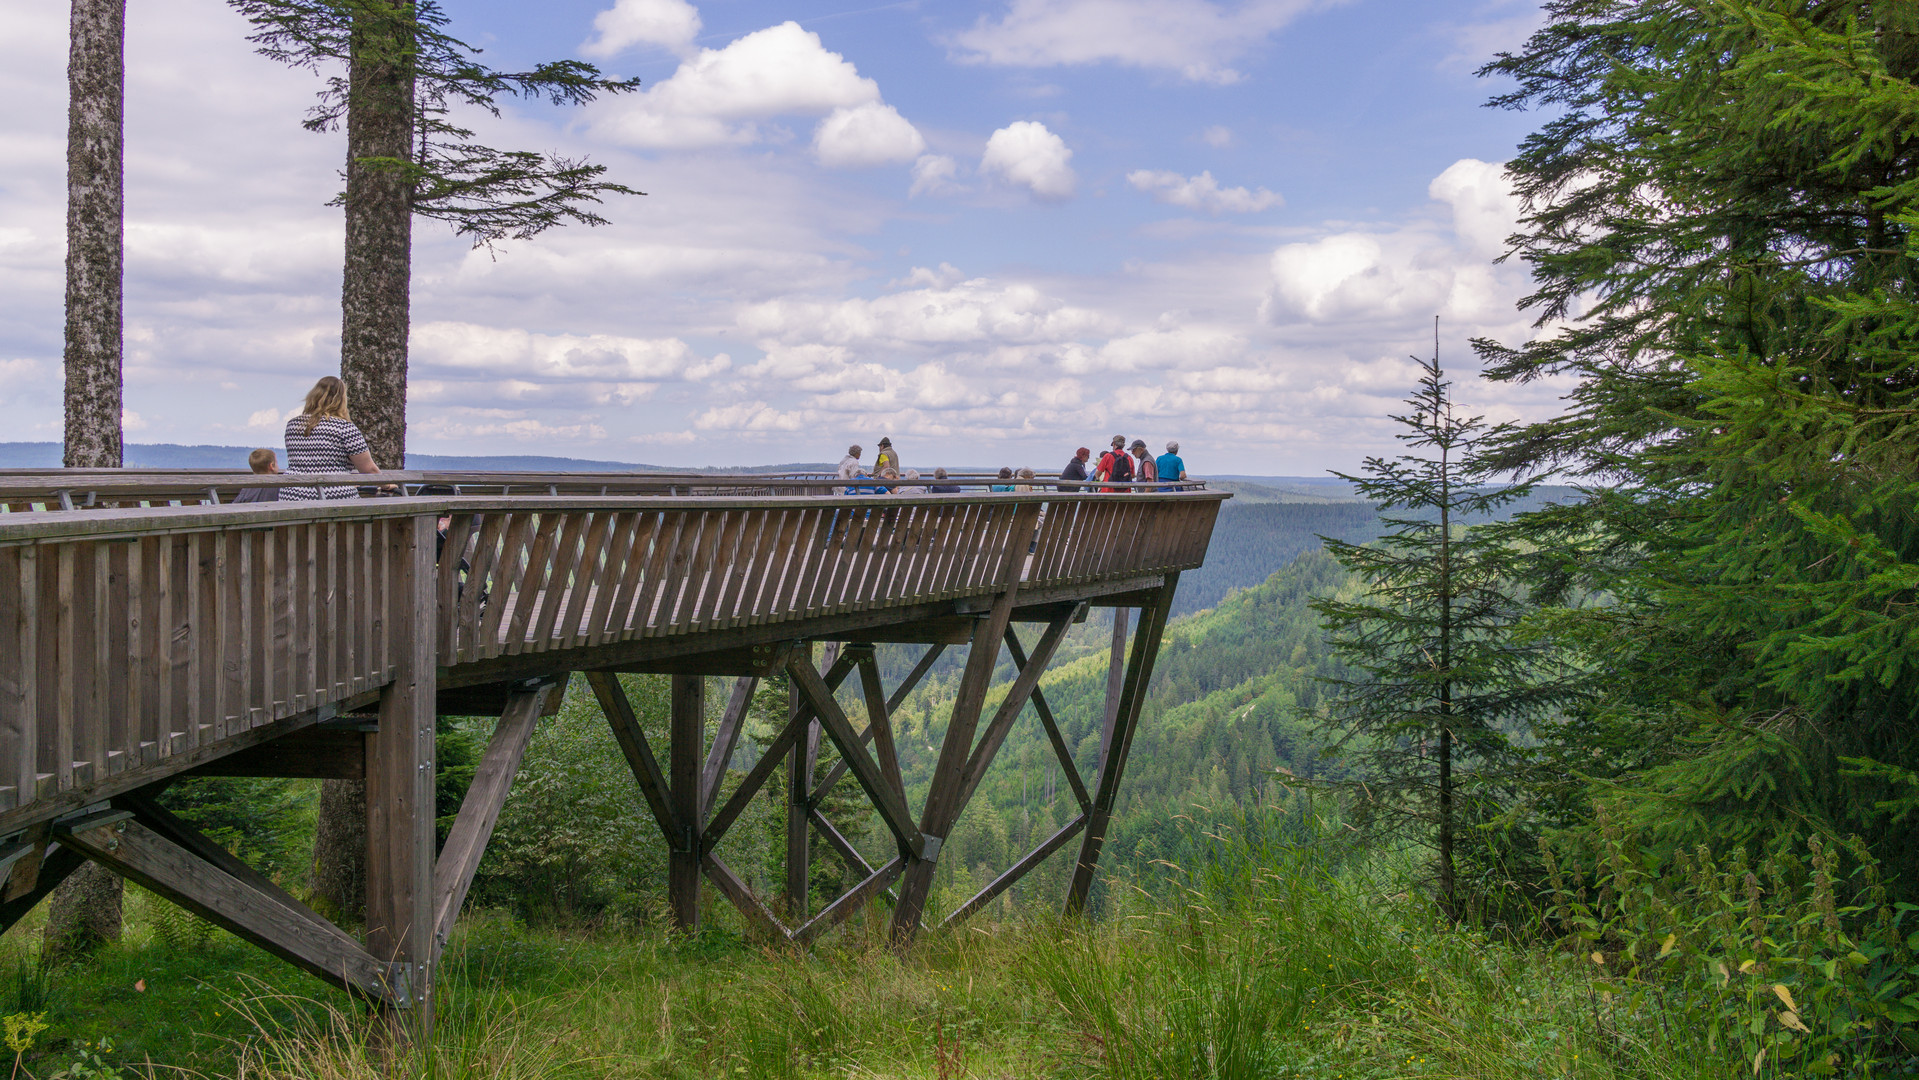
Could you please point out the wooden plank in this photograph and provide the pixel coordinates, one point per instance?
(465, 643)
(837, 840)
(618, 625)
(587, 572)
(400, 775)
(639, 756)
(561, 570)
(530, 588)
(606, 583)
(459, 536)
(170, 827)
(854, 899)
(20, 636)
(144, 856)
(725, 739)
(62, 682)
(741, 564)
(480, 809)
(730, 886)
(654, 579)
(505, 581)
(50, 870)
(1018, 870)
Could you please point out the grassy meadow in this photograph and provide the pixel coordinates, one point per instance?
(1273, 958)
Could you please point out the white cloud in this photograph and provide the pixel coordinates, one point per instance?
(725, 96)
(270, 419)
(469, 347)
(1410, 271)
(1198, 39)
(1218, 136)
(971, 312)
(1202, 192)
(669, 24)
(515, 424)
(933, 174)
(1485, 210)
(1025, 154)
(866, 135)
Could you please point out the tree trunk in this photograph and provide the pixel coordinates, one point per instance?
(85, 909)
(96, 87)
(1448, 901)
(374, 288)
(84, 913)
(374, 314)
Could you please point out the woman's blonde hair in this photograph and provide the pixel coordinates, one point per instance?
(327, 400)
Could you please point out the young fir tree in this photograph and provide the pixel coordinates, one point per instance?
(1441, 682)
(396, 78)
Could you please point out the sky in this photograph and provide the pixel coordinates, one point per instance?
(994, 230)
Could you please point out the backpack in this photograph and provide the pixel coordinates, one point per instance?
(1122, 467)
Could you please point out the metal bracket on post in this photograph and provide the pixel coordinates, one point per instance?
(930, 849)
(399, 984)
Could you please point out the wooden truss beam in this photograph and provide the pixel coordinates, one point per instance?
(893, 702)
(1118, 740)
(140, 854)
(1053, 736)
(480, 810)
(639, 756)
(725, 740)
(1018, 870)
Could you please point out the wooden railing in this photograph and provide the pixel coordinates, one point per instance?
(168, 634)
(131, 637)
(531, 579)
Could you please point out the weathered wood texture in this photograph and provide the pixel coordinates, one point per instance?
(122, 654)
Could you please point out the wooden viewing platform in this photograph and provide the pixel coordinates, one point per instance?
(164, 632)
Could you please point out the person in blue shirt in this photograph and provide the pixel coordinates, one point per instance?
(1170, 466)
(1006, 480)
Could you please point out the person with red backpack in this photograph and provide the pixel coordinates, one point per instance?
(1115, 465)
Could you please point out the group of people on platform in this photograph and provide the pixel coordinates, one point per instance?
(324, 439)
(1122, 464)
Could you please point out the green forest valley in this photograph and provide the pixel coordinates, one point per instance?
(1583, 746)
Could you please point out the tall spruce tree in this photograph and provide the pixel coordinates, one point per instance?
(1441, 682)
(86, 907)
(395, 78)
(1720, 227)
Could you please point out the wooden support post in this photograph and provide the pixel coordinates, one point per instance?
(1118, 739)
(799, 785)
(399, 782)
(55, 863)
(480, 810)
(942, 797)
(688, 736)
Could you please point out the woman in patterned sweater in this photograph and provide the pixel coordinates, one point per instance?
(323, 439)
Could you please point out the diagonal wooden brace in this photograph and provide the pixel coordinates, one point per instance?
(480, 810)
(854, 899)
(893, 703)
(139, 854)
(770, 760)
(639, 756)
(725, 741)
(1053, 736)
(865, 770)
(1018, 870)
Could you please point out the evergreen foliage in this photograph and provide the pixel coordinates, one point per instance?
(484, 193)
(1720, 229)
(1440, 681)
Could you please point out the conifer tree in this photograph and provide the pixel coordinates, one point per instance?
(395, 77)
(1721, 231)
(1440, 681)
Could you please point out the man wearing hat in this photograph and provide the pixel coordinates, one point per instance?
(887, 458)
